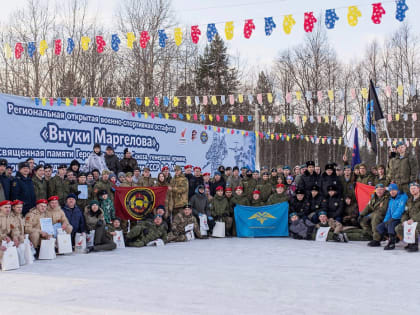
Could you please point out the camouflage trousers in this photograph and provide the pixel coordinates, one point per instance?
(176, 238)
(369, 225)
(356, 234)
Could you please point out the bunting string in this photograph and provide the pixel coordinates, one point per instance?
(140, 38)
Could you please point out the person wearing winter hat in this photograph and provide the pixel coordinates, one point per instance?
(300, 228)
(336, 229)
(74, 215)
(128, 163)
(111, 160)
(96, 160)
(94, 218)
(104, 184)
(75, 167)
(396, 207)
(107, 205)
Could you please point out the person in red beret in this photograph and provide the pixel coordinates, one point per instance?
(167, 174)
(33, 223)
(18, 231)
(221, 211)
(256, 201)
(57, 214)
(188, 171)
(279, 196)
(6, 221)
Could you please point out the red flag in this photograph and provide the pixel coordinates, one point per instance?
(363, 195)
(135, 203)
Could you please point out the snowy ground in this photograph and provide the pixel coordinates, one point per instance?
(220, 276)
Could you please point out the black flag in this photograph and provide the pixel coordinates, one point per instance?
(373, 114)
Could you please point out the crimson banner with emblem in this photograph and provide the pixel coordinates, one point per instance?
(135, 203)
(363, 195)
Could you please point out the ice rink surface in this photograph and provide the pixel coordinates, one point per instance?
(220, 276)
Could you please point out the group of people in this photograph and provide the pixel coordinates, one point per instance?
(315, 198)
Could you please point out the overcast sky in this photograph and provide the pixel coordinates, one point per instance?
(348, 41)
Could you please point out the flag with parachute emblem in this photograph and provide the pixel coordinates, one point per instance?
(262, 221)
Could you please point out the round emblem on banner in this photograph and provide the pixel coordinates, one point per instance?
(139, 202)
(204, 137)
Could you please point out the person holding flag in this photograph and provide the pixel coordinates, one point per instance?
(373, 114)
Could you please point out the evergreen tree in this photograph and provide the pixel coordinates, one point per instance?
(214, 76)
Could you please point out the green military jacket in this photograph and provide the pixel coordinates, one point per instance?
(376, 205)
(257, 203)
(277, 198)
(249, 185)
(403, 170)
(366, 179)
(412, 210)
(103, 185)
(179, 191)
(40, 187)
(239, 200)
(266, 189)
(145, 232)
(58, 186)
(220, 207)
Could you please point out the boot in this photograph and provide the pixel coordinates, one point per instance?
(374, 243)
(391, 243)
(345, 237)
(336, 238)
(413, 248)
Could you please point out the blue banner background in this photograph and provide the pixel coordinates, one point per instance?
(262, 221)
(58, 134)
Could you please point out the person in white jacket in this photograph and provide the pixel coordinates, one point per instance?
(96, 160)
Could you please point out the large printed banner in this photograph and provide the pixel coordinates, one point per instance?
(59, 134)
(262, 221)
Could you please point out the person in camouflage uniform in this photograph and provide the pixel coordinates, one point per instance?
(17, 223)
(347, 182)
(249, 184)
(364, 177)
(128, 180)
(256, 200)
(58, 186)
(403, 169)
(239, 198)
(57, 215)
(40, 185)
(107, 206)
(381, 177)
(33, 223)
(146, 231)
(82, 203)
(104, 184)
(279, 196)
(350, 212)
(146, 180)
(336, 228)
(180, 221)
(273, 177)
(221, 211)
(374, 214)
(265, 187)
(410, 215)
(6, 227)
(179, 192)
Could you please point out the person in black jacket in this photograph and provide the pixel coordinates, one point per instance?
(316, 201)
(334, 204)
(199, 202)
(309, 178)
(128, 164)
(112, 161)
(299, 204)
(23, 188)
(4, 181)
(195, 181)
(329, 178)
(74, 167)
(217, 181)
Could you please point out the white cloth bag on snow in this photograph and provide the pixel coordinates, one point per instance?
(21, 254)
(322, 234)
(29, 254)
(410, 232)
(119, 239)
(90, 239)
(10, 259)
(219, 229)
(204, 227)
(47, 250)
(80, 243)
(189, 232)
(64, 243)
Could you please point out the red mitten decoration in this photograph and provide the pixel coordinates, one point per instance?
(18, 50)
(377, 13)
(248, 28)
(100, 44)
(310, 20)
(144, 39)
(57, 48)
(195, 34)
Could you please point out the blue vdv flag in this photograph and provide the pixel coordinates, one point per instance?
(262, 221)
(356, 154)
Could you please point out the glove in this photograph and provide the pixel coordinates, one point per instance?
(112, 189)
(145, 232)
(99, 223)
(78, 193)
(210, 218)
(359, 219)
